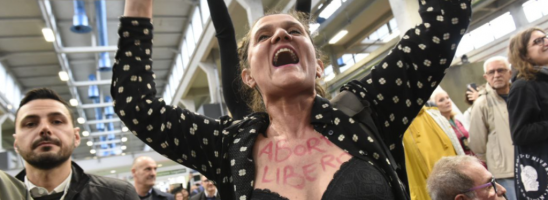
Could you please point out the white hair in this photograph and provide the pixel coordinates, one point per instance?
(502, 59)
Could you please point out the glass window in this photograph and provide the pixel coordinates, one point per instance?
(313, 27)
(328, 73)
(197, 24)
(482, 35)
(185, 54)
(190, 39)
(503, 25)
(535, 9)
(330, 9)
(205, 11)
(465, 46)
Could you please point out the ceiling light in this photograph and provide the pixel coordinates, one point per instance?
(89, 143)
(159, 165)
(125, 129)
(92, 151)
(123, 147)
(123, 154)
(124, 139)
(338, 36)
(85, 133)
(112, 171)
(48, 34)
(81, 120)
(73, 102)
(63, 75)
(10, 107)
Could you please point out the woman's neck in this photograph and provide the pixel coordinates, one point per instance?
(447, 115)
(289, 116)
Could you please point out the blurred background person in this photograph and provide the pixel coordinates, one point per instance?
(472, 93)
(180, 193)
(490, 137)
(445, 106)
(209, 193)
(428, 139)
(144, 176)
(528, 111)
(463, 178)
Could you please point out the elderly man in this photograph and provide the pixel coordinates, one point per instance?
(490, 136)
(209, 193)
(144, 176)
(45, 137)
(461, 178)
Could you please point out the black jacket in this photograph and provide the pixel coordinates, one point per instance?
(159, 195)
(201, 196)
(91, 187)
(528, 110)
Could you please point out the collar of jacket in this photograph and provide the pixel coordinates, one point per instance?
(78, 181)
(159, 193)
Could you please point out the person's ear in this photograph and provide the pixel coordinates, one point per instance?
(319, 68)
(77, 138)
(461, 197)
(15, 143)
(248, 79)
(485, 76)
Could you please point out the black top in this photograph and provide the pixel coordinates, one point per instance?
(356, 179)
(221, 149)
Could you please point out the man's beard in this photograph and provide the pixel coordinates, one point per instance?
(46, 160)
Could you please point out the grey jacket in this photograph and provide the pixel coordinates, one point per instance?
(11, 188)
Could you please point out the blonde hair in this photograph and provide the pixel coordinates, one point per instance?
(517, 54)
(252, 95)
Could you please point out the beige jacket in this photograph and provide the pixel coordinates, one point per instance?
(490, 137)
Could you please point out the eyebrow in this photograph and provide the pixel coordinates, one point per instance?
(284, 24)
(34, 116)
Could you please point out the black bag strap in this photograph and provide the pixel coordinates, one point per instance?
(351, 105)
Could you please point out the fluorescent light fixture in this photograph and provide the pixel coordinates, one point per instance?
(124, 139)
(89, 143)
(10, 107)
(92, 151)
(112, 171)
(63, 75)
(338, 36)
(159, 165)
(125, 129)
(123, 147)
(81, 120)
(48, 34)
(85, 133)
(123, 154)
(73, 102)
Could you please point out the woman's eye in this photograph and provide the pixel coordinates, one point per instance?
(262, 37)
(295, 32)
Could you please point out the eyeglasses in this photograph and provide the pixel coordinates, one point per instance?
(540, 41)
(499, 70)
(491, 183)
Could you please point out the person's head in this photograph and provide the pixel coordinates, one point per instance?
(144, 171)
(528, 50)
(181, 194)
(442, 101)
(497, 72)
(44, 132)
(277, 56)
(462, 178)
(208, 184)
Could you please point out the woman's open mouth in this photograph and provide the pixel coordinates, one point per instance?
(285, 56)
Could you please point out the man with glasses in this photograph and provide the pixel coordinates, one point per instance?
(462, 178)
(490, 137)
(209, 193)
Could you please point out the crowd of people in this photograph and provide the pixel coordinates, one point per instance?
(393, 134)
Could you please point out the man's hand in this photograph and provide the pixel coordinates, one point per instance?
(138, 8)
(472, 94)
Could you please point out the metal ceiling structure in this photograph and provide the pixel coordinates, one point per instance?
(34, 62)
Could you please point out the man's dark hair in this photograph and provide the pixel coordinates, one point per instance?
(40, 93)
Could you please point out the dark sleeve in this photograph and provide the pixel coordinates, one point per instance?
(230, 67)
(303, 6)
(131, 194)
(185, 137)
(403, 81)
(524, 112)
